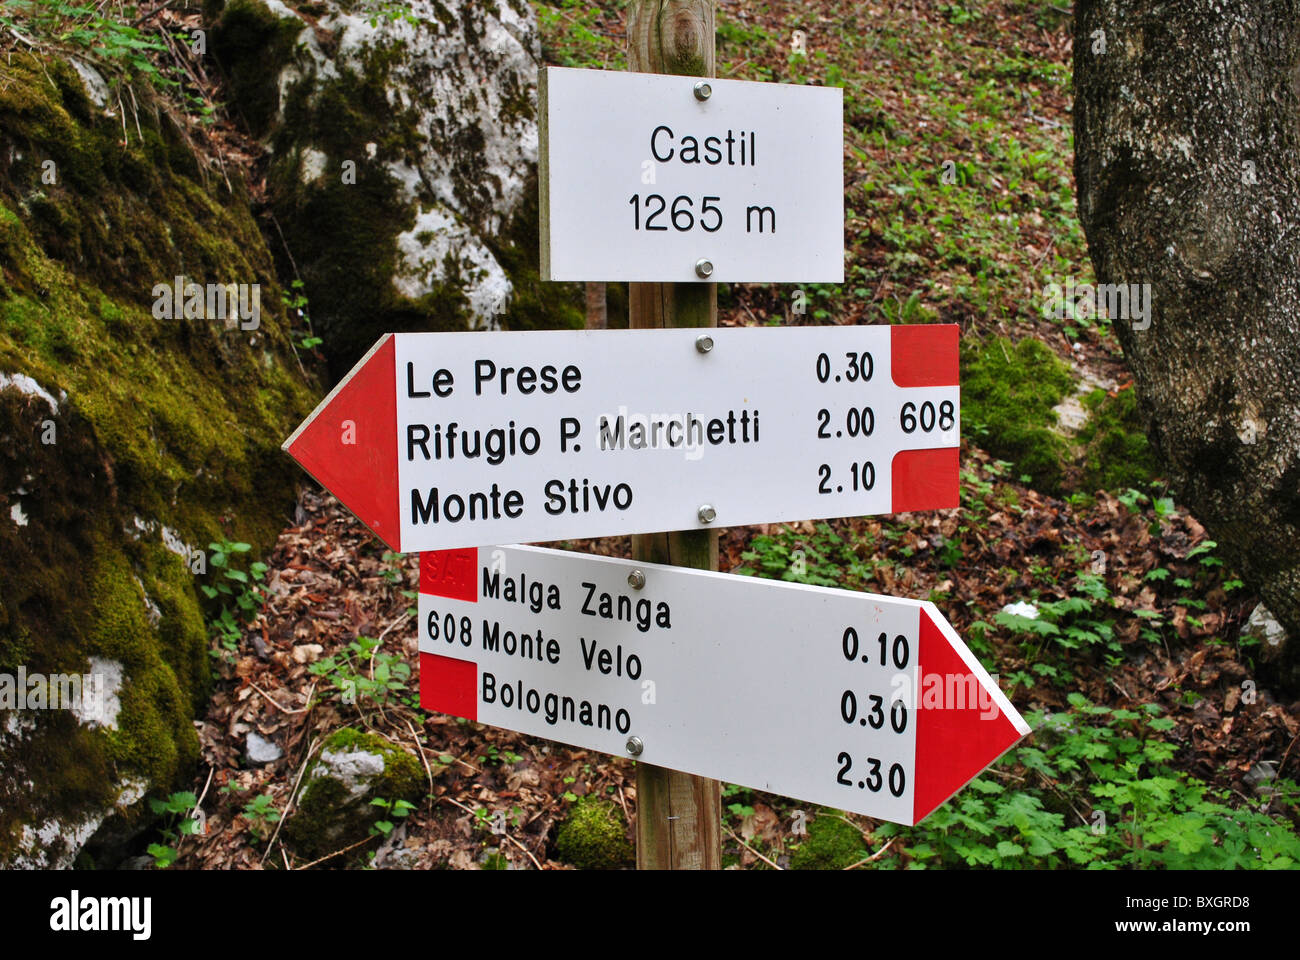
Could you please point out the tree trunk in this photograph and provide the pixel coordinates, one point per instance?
(1186, 126)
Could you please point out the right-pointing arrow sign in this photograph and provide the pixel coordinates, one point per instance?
(851, 700)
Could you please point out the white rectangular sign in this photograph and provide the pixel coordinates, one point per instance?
(441, 440)
(641, 179)
(852, 700)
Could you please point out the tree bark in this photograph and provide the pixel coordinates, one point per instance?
(1186, 127)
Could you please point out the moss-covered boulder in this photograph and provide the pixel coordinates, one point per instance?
(832, 843)
(334, 808)
(594, 837)
(403, 145)
(132, 435)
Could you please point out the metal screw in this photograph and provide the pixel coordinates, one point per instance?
(704, 343)
(704, 269)
(636, 579)
(703, 90)
(635, 745)
(707, 513)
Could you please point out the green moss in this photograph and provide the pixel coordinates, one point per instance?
(154, 737)
(495, 860)
(181, 630)
(1007, 395)
(252, 45)
(594, 837)
(328, 817)
(1116, 452)
(831, 844)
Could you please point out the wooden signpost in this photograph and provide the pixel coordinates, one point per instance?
(448, 442)
(679, 816)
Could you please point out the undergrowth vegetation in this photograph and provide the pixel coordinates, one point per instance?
(1097, 785)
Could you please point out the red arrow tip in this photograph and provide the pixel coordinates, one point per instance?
(960, 728)
(349, 443)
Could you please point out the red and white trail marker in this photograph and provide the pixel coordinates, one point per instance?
(850, 700)
(441, 440)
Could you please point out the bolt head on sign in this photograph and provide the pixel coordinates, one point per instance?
(661, 178)
(444, 440)
(851, 700)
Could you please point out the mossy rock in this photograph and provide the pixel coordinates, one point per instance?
(594, 837)
(334, 808)
(831, 844)
(1116, 452)
(126, 440)
(400, 181)
(1008, 391)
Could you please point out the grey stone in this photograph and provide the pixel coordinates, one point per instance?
(260, 750)
(1263, 626)
(354, 769)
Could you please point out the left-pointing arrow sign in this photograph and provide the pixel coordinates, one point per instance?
(349, 443)
(443, 440)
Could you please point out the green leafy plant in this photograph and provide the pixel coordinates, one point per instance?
(395, 809)
(1071, 623)
(240, 593)
(295, 299)
(362, 671)
(390, 10)
(742, 800)
(84, 25)
(1099, 792)
(261, 813)
(174, 826)
(824, 559)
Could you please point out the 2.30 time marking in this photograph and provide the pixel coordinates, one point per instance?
(874, 780)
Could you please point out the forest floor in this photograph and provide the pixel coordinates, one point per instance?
(1153, 743)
